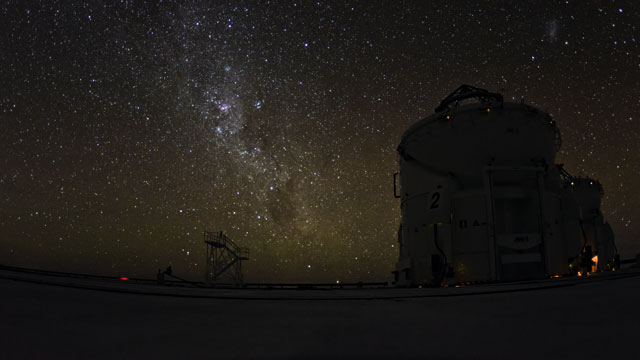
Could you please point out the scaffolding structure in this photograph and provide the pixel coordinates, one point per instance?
(224, 259)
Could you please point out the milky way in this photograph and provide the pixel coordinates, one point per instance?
(129, 128)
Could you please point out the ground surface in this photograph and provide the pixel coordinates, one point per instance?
(58, 317)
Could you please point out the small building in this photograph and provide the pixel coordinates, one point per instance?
(596, 234)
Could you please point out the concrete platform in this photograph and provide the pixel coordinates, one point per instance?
(60, 317)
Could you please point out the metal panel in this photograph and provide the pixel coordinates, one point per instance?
(470, 244)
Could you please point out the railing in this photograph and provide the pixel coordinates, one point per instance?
(221, 240)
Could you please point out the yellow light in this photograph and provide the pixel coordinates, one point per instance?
(572, 183)
(590, 182)
(488, 110)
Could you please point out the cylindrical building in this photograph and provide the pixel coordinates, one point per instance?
(481, 197)
(596, 234)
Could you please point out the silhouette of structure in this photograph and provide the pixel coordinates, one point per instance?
(483, 200)
(224, 258)
(596, 233)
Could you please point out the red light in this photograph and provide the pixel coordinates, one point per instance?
(124, 278)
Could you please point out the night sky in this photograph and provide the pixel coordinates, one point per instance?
(129, 127)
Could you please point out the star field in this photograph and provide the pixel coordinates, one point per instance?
(129, 128)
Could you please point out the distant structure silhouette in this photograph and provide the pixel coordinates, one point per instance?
(224, 259)
(160, 277)
(596, 233)
(482, 199)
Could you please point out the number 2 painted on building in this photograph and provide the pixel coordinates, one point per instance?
(435, 197)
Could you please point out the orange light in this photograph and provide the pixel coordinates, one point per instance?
(594, 268)
(590, 182)
(579, 273)
(488, 110)
(556, 276)
(124, 278)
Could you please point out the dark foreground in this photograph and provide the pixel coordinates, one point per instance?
(45, 318)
